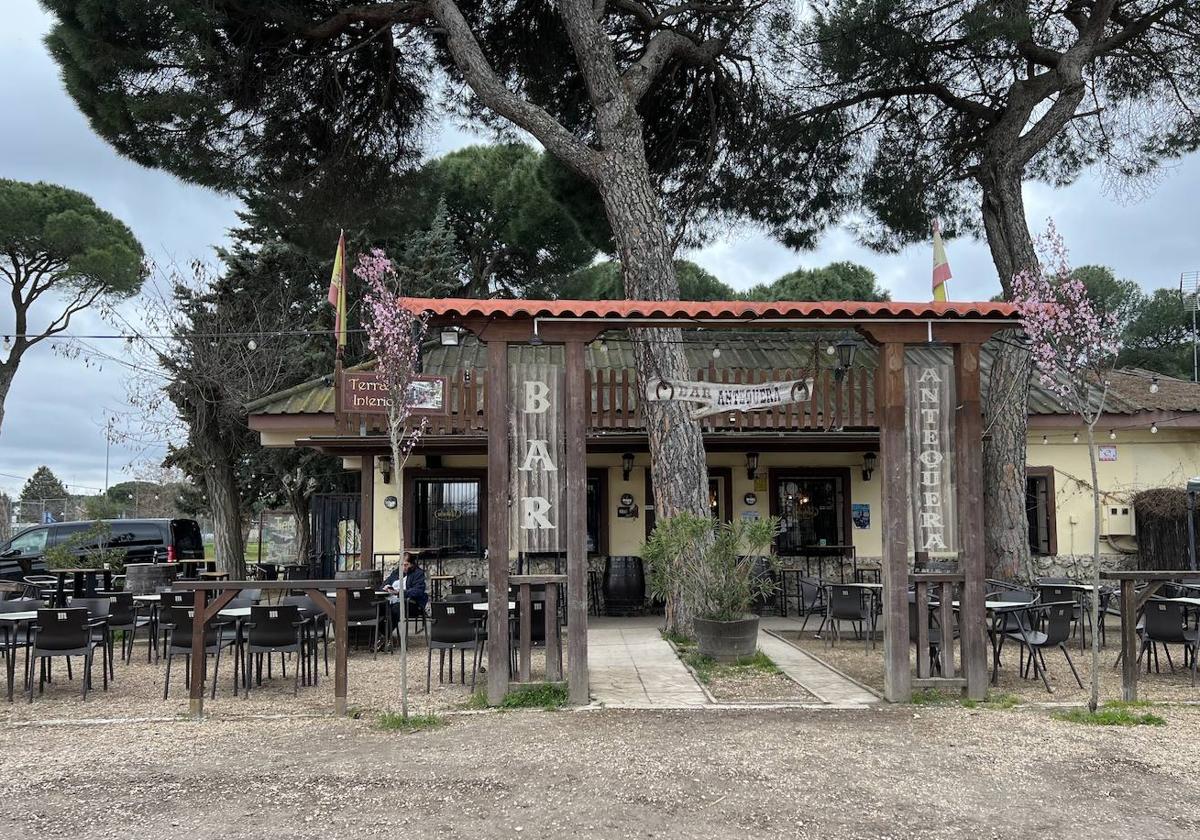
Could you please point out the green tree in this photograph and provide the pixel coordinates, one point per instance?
(58, 247)
(515, 235)
(429, 264)
(957, 103)
(43, 493)
(602, 281)
(672, 116)
(836, 281)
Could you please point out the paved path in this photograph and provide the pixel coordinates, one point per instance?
(824, 683)
(631, 667)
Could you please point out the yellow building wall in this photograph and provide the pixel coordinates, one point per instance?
(1144, 460)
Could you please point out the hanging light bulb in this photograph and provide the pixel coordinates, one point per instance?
(716, 352)
(1154, 385)
(1045, 440)
(1075, 438)
(7, 343)
(1112, 434)
(1153, 428)
(252, 345)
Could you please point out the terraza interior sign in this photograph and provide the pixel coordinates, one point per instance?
(364, 393)
(717, 397)
(930, 431)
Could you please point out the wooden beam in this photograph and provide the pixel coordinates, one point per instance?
(1129, 664)
(893, 459)
(553, 642)
(498, 516)
(576, 500)
(366, 515)
(196, 661)
(968, 447)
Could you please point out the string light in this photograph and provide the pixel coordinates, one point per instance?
(1112, 434)
(252, 345)
(1075, 438)
(716, 352)
(7, 343)
(1154, 385)
(1045, 440)
(1153, 428)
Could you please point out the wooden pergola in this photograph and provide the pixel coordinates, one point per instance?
(960, 327)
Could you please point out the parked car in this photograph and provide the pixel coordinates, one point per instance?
(144, 541)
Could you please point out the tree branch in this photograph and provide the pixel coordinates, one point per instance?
(663, 47)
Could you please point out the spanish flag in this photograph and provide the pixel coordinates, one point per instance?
(941, 265)
(337, 292)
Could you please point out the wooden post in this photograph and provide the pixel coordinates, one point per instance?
(341, 646)
(498, 516)
(196, 695)
(553, 643)
(525, 643)
(366, 514)
(1129, 664)
(893, 457)
(968, 447)
(576, 500)
(946, 619)
(922, 609)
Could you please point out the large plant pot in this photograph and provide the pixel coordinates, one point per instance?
(727, 641)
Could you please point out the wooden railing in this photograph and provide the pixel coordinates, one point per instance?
(944, 585)
(614, 403)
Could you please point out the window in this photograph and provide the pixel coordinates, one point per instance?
(811, 509)
(30, 543)
(1039, 510)
(446, 514)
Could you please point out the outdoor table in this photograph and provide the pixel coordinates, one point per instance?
(148, 599)
(191, 568)
(84, 583)
(482, 606)
(437, 581)
(214, 575)
(10, 622)
(997, 609)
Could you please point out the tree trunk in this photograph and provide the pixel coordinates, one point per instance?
(225, 505)
(1006, 526)
(1094, 698)
(399, 457)
(677, 457)
(8, 371)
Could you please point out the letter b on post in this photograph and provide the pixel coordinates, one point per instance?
(537, 397)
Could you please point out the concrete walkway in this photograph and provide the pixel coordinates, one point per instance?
(630, 666)
(819, 679)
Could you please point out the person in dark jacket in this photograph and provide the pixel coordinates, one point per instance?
(409, 581)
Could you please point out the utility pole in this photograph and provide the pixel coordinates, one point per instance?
(108, 427)
(1189, 289)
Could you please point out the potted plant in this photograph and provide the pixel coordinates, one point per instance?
(718, 570)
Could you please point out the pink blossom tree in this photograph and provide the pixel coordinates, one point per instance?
(394, 335)
(1074, 348)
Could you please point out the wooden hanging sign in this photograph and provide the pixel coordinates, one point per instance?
(718, 397)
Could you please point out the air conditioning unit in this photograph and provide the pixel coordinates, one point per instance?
(1119, 520)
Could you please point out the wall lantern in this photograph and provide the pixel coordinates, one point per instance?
(449, 337)
(626, 465)
(385, 469)
(870, 459)
(751, 465)
(845, 349)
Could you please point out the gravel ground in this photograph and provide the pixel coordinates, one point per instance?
(849, 657)
(373, 685)
(747, 685)
(892, 772)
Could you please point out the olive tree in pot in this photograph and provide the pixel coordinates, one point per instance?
(720, 569)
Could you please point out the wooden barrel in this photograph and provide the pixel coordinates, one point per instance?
(624, 585)
(146, 578)
(369, 577)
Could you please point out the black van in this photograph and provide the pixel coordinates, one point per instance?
(144, 541)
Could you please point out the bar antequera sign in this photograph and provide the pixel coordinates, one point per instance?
(718, 397)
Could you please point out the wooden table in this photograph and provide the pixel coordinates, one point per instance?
(10, 622)
(84, 583)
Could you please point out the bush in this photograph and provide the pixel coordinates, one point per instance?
(711, 565)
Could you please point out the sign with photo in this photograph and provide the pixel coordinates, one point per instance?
(1107, 453)
(717, 397)
(860, 514)
(363, 393)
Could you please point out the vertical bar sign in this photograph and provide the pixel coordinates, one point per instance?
(929, 380)
(539, 452)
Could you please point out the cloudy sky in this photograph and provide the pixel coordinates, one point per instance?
(58, 406)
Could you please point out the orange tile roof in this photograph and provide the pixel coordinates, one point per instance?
(699, 310)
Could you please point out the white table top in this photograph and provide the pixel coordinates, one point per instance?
(483, 606)
(1081, 587)
(860, 585)
(18, 616)
(1001, 605)
(1191, 602)
(149, 599)
(235, 612)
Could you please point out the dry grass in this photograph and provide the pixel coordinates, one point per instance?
(849, 657)
(753, 679)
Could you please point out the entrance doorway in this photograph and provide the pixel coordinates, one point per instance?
(813, 507)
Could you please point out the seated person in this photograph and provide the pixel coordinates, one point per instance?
(409, 581)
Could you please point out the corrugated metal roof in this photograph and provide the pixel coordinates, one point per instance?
(729, 309)
(757, 351)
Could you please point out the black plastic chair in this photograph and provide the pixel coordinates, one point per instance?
(216, 637)
(273, 629)
(14, 637)
(62, 632)
(1164, 623)
(125, 614)
(169, 598)
(812, 600)
(1055, 620)
(316, 621)
(97, 608)
(364, 609)
(848, 603)
(452, 627)
(934, 633)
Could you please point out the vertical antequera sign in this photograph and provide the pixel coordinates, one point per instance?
(929, 377)
(537, 470)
